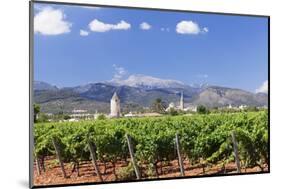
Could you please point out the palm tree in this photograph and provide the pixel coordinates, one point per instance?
(36, 108)
(159, 106)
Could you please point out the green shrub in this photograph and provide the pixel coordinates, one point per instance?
(202, 109)
(126, 173)
(101, 117)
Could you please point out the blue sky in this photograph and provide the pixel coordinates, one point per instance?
(77, 45)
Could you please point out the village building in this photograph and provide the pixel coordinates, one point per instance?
(130, 114)
(79, 111)
(242, 107)
(171, 106)
(151, 114)
(81, 116)
(191, 108)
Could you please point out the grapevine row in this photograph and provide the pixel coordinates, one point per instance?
(204, 139)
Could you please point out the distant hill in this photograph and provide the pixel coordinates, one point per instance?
(40, 85)
(148, 82)
(221, 96)
(139, 92)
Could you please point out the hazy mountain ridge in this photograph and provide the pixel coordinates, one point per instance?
(148, 82)
(40, 85)
(141, 91)
(221, 96)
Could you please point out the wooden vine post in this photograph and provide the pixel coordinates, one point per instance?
(94, 159)
(58, 153)
(132, 157)
(37, 166)
(235, 149)
(179, 155)
(43, 163)
(37, 163)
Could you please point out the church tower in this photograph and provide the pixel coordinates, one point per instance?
(115, 110)
(181, 102)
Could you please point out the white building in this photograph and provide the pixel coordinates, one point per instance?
(73, 120)
(79, 111)
(130, 114)
(171, 106)
(81, 116)
(191, 108)
(242, 107)
(115, 110)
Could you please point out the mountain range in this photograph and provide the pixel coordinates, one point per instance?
(138, 92)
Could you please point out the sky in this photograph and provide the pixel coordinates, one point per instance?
(76, 45)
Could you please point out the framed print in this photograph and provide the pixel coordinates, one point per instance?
(127, 94)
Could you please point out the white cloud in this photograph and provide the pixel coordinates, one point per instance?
(263, 88)
(190, 27)
(49, 21)
(84, 33)
(98, 26)
(122, 25)
(165, 29)
(120, 72)
(205, 30)
(145, 26)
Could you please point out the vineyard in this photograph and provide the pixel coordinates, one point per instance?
(143, 148)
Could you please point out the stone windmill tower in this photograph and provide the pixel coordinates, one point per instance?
(181, 102)
(115, 110)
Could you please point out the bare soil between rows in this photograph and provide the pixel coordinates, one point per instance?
(54, 176)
